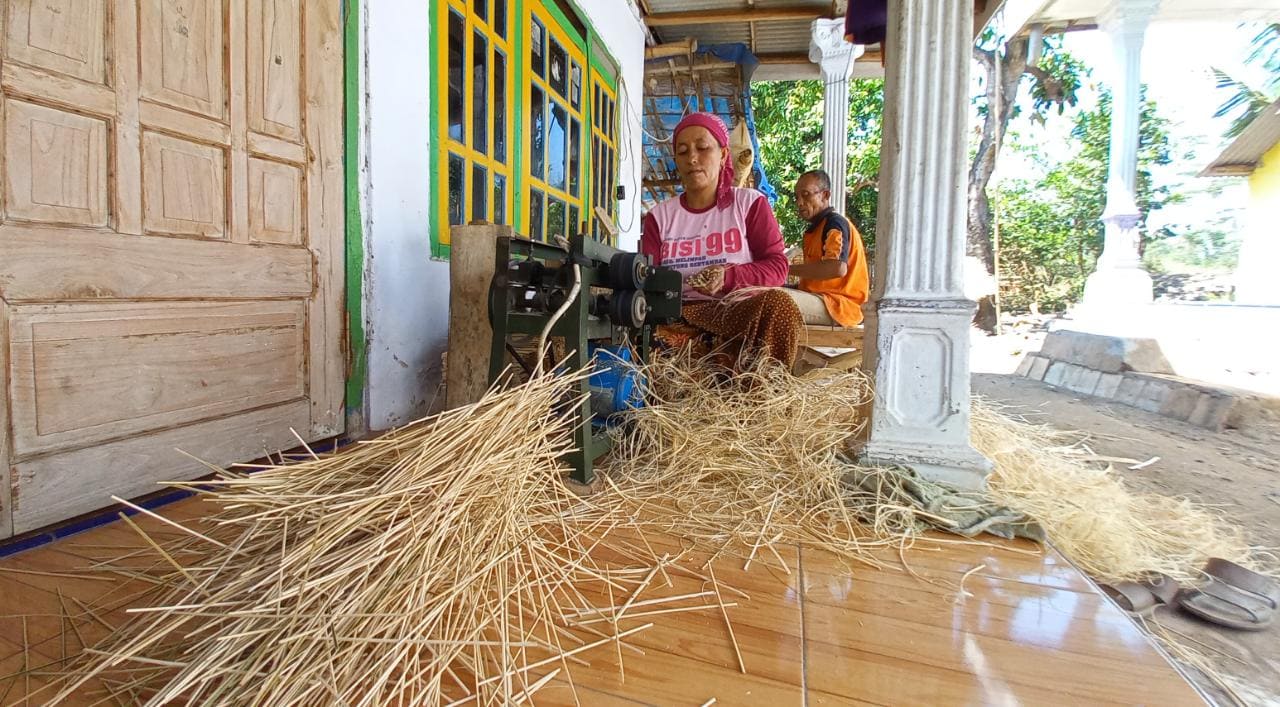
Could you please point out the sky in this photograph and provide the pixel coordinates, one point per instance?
(1176, 62)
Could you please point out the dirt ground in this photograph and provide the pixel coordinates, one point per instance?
(1235, 470)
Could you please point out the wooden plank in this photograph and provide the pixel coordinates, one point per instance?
(683, 47)
(87, 373)
(470, 334)
(238, 161)
(170, 120)
(52, 89)
(325, 214)
(273, 147)
(6, 497)
(97, 265)
(832, 337)
(53, 487)
(704, 17)
(128, 134)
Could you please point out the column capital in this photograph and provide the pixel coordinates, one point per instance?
(829, 50)
(1121, 17)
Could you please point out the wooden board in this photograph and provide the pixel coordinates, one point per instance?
(470, 335)
(832, 337)
(172, 223)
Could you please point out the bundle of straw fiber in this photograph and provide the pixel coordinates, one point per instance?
(739, 463)
(1090, 516)
(435, 564)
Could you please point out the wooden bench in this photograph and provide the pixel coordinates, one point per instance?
(815, 338)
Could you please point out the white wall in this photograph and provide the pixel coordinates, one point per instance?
(619, 28)
(406, 293)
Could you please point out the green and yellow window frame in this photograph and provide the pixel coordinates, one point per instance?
(524, 116)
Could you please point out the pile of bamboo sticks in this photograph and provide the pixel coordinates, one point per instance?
(443, 563)
(743, 462)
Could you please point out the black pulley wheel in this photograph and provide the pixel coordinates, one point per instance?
(627, 271)
(629, 308)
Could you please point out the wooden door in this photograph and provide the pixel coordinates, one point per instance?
(171, 243)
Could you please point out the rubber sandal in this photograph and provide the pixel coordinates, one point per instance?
(1233, 596)
(1142, 598)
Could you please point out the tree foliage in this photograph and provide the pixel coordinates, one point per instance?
(789, 127)
(1051, 230)
(1247, 101)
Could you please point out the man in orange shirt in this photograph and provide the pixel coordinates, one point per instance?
(833, 277)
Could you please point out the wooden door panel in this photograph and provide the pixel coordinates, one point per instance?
(86, 373)
(100, 265)
(183, 187)
(275, 203)
(55, 165)
(50, 488)
(62, 36)
(275, 68)
(171, 226)
(182, 54)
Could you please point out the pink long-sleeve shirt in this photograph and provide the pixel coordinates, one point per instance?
(744, 237)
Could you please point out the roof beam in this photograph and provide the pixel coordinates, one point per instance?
(870, 55)
(705, 17)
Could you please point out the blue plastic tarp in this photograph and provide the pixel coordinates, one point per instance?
(670, 109)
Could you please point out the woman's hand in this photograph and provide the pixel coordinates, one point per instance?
(709, 281)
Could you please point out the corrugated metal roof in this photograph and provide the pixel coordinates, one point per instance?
(1245, 152)
(771, 37)
(1054, 11)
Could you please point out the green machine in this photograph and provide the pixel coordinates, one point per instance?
(604, 302)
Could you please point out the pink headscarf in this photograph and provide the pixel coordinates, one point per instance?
(715, 126)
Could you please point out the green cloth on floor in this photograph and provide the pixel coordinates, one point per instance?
(965, 513)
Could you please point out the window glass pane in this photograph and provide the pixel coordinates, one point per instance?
(479, 99)
(457, 189)
(595, 170)
(575, 87)
(555, 218)
(538, 134)
(575, 152)
(500, 17)
(557, 134)
(537, 48)
(574, 226)
(608, 126)
(481, 8)
(499, 198)
(479, 193)
(535, 215)
(457, 69)
(610, 179)
(559, 69)
(595, 107)
(499, 103)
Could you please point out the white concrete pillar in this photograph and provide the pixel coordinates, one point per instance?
(1120, 282)
(919, 317)
(834, 57)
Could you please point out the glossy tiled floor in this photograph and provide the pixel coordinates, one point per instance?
(1028, 629)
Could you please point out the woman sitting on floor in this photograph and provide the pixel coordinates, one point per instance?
(722, 239)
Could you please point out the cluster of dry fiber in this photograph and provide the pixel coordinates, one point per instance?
(445, 562)
(1112, 533)
(441, 563)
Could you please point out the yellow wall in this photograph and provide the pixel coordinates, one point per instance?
(1264, 184)
(1256, 282)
